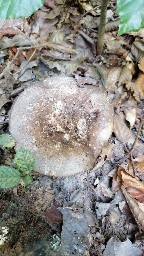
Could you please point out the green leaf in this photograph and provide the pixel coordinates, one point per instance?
(6, 141)
(9, 177)
(131, 14)
(24, 161)
(18, 8)
(27, 180)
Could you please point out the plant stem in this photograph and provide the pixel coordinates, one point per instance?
(101, 30)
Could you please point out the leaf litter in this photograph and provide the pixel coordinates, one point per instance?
(59, 39)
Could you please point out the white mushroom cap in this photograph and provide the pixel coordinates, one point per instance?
(65, 126)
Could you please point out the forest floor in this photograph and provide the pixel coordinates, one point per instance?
(96, 213)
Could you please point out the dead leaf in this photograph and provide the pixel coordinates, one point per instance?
(130, 116)
(17, 40)
(133, 89)
(122, 132)
(139, 164)
(135, 209)
(102, 71)
(3, 100)
(118, 248)
(137, 49)
(114, 45)
(141, 64)
(125, 75)
(132, 182)
(140, 84)
(112, 79)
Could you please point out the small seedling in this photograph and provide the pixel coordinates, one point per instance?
(24, 161)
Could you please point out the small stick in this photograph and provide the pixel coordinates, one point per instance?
(52, 46)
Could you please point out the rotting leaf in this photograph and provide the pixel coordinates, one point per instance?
(9, 177)
(7, 141)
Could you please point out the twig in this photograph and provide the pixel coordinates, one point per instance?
(20, 71)
(57, 47)
(138, 133)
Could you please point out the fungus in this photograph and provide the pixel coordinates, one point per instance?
(65, 126)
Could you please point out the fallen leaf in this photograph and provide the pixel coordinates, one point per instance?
(140, 84)
(135, 209)
(130, 116)
(134, 90)
(141, 64)
(137, 49)
(112, 79)
(125, 75)
(122, 132)
(139, 164)
(132, 182)
(118, 248)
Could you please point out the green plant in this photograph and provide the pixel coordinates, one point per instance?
(11, 176)
(18, 8)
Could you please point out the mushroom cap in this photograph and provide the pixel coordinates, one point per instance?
(63, 125)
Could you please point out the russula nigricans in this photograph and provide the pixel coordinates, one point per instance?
(64, 125)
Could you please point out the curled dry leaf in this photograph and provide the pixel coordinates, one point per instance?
(133, 190)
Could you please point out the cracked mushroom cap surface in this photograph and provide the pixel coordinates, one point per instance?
(63, 125)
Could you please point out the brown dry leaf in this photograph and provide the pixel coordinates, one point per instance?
(140, 85)
(122, 132)
(141, 64)
(139, 164)
(137, 49)
(114, 45)
(17, 40)
(102, 71)
(132, 182)
(105, 154)
(135, 209)
(133, 89)
(130, 116)
(113, 77)
(125, 75)
(3, 100)
(136, 194)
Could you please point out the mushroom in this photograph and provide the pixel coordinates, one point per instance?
(64, 125)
